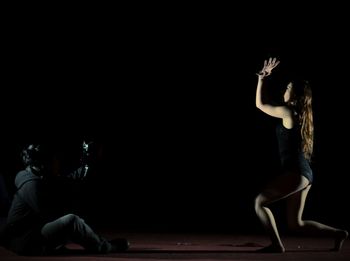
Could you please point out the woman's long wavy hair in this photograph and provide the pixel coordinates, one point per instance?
(301, 102)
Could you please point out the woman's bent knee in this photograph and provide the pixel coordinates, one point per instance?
(258, 202)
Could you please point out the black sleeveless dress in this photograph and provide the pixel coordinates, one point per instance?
(291, 156)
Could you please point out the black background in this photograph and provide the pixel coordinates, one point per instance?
(168, 94)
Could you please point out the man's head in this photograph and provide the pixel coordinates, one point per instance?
(34, 156)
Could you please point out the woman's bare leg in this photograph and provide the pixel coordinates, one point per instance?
(295, 208)
(281, 187)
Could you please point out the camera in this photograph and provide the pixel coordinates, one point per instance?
(85, 157)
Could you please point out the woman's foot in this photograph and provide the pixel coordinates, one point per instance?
(341, 235)
(271, 249)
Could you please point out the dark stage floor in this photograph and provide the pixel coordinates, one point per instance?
(181, 246)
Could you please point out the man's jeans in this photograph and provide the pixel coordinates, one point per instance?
(73, 228)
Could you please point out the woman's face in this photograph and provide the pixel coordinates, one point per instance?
(287, 93)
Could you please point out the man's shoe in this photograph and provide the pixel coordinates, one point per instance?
(119, 245)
